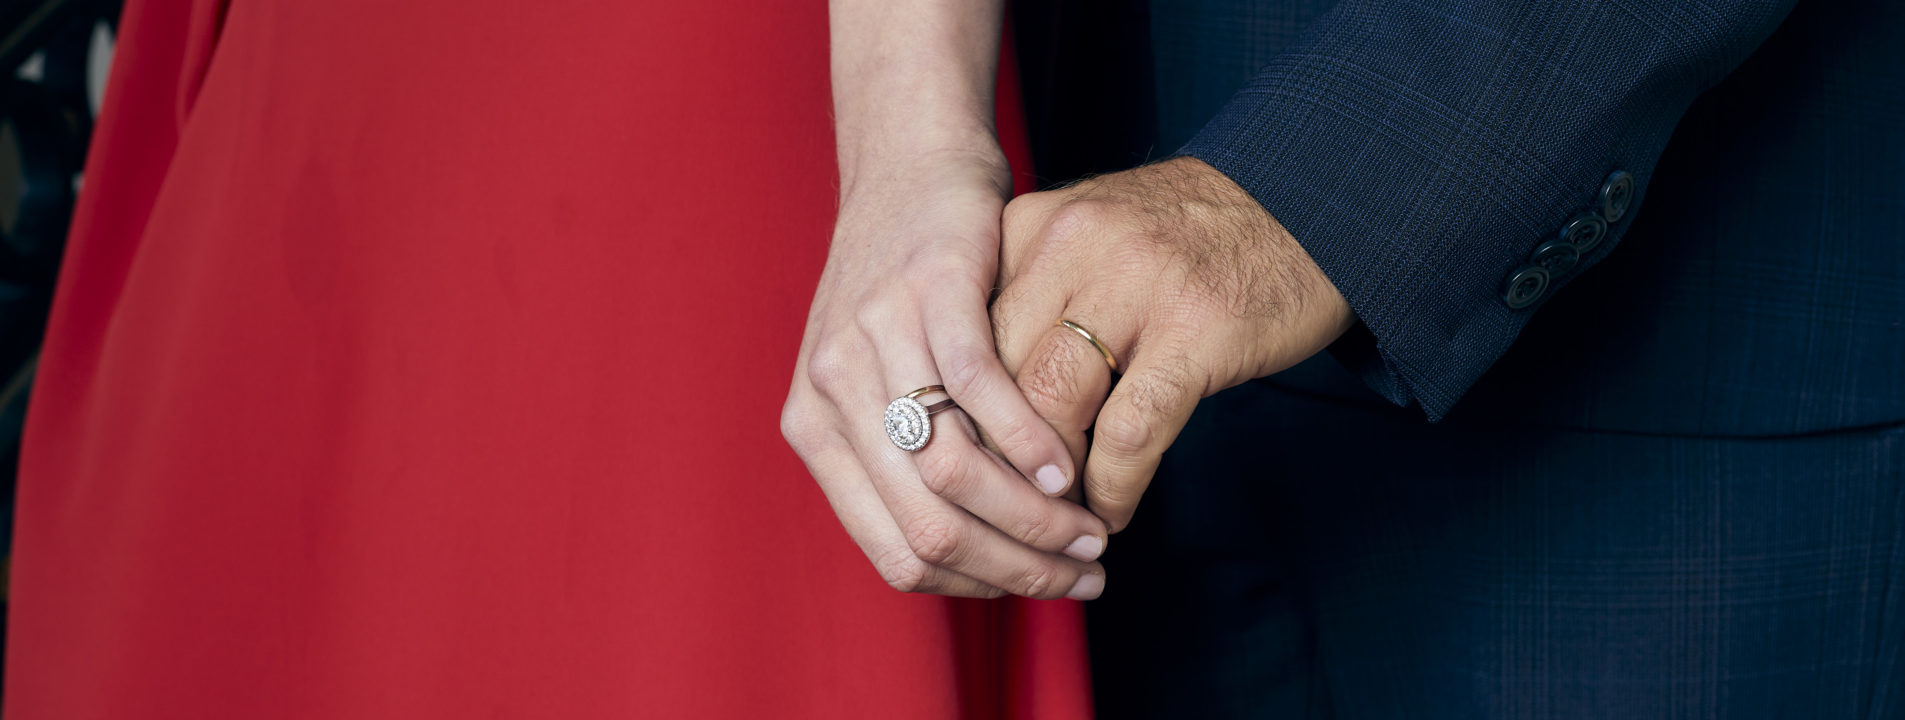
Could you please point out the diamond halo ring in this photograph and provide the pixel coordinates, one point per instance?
(909, 422)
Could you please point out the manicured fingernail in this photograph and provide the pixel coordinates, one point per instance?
(1088, 587)
(1086, 548)
(1050, 479)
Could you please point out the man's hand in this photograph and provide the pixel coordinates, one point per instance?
(1190, 285)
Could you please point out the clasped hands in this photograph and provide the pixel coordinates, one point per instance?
(1186, 281)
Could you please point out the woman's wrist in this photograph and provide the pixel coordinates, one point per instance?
(961, 160)
(913, 91)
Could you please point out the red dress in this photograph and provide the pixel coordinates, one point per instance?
(424, 359)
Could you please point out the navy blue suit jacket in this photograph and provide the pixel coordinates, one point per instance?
(1671, 478)
(1427, 154)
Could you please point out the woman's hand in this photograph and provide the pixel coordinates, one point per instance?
(902, 305)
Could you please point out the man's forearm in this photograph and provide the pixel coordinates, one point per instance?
(913, 79)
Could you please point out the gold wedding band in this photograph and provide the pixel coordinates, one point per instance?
(1093, 339)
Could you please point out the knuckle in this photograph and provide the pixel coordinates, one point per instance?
(1009, 317)
(1048, 384)
(942, 471)
(1016, 208)
(1158, 394)
(1023, 208)
(797, 427)
(1036, 527)
(1015, 438)
(1123, 431)
(934, 538)
(1076, 217)
(907, 575)
(1040, 581)
(1110, 492)
(1130, 426)
(965, 371)
(831, 366)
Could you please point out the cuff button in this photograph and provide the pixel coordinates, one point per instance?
(1616, 194)
(1556, 256)
(1525, 287)
(1584, 232)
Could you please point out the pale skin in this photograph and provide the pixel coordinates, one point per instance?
(1190, 284)
(902, 305)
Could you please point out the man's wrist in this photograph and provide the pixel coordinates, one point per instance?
(1312, 313)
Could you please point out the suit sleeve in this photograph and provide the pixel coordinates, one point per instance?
(1451, 164)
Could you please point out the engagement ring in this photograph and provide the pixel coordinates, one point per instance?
(909, 422)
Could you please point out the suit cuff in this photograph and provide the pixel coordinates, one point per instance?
(1443, 237)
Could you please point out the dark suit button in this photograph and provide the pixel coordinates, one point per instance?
(1584, 232)
(1616, 194)
(1525, 287)
(1556, 256)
